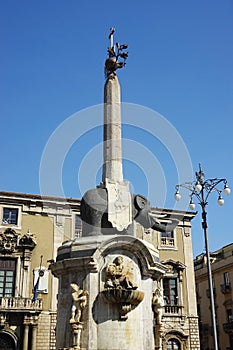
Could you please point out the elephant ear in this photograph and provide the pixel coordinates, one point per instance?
(140, 202)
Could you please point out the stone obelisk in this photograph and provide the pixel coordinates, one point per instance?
(108, 208)
(112, 168)
(119, 197)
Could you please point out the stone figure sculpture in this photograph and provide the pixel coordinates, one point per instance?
(79, 297)
(119, 276)
(120, 288)
(79, 302)
(117, 57)
(158, 304)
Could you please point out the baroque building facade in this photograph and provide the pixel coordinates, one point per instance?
(178, 328)
(222, 274)
(31, 230)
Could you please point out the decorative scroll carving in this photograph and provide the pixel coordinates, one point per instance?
(27, 241)
(79, 297)
(121, 288)
(8, 241)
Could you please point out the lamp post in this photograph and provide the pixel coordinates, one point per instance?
(201, 189)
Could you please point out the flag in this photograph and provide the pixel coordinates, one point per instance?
(36, 286)
(35, 290)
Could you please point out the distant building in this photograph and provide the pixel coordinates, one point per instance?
(222, 273)
(31, 230)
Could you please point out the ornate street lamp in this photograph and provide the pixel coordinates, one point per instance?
(201, 189)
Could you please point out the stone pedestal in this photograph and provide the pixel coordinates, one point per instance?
(118, 313)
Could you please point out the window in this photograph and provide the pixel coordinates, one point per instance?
(226, 279)
(167, 234)
(170, 291)
(229, 315)
(10, 216)
(7, 277)
(173, 344)
(167, 239)
(78, 226)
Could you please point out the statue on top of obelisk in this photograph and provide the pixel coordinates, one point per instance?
(116, 55)
(111, 208)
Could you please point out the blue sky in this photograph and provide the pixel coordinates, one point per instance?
(179, 65)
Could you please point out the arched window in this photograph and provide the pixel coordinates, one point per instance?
(173, 344)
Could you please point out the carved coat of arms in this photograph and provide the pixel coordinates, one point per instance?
(119, 204)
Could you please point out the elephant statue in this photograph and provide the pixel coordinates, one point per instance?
(94, 214)
(145, 217)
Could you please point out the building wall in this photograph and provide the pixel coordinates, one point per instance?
(42, 226)
(176, 254)
(46, 223)
(221, 265)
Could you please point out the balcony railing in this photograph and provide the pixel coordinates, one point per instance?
(78, 233)
(228, 327)
(225, 288)
(167, 242)
(173, 310)
(19, 304)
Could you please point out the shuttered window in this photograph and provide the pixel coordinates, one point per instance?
(170, 291)
(7, 277)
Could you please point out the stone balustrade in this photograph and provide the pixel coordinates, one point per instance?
(226, 288)
(167, 242)
(173, 309)
(19, 303)
(228, 327)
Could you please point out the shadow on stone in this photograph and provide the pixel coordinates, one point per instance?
(102, 311)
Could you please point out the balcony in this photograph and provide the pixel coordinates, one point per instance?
(77, 233)
(173, 310)
(225, 288)
(167, 242)
(18, 304)
(228, 327)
